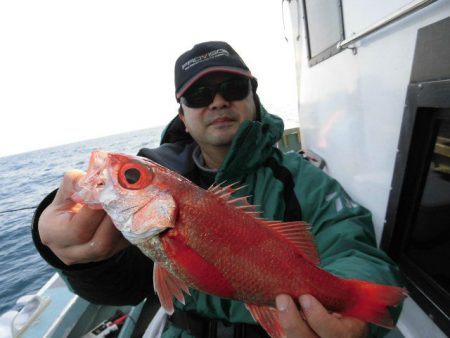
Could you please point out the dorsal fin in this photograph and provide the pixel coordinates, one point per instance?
(296, 232)
(225, 192)
(299, 234)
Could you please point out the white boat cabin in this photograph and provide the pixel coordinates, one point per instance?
(374, 103)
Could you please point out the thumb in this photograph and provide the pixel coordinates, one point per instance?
(68, 186)
(291, 319)
(316, 315)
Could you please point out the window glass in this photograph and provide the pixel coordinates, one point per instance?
(358, 18)
(429, 244)
(324, 21)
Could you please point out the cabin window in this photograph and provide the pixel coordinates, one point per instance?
(429, 242)
(417, 231)
(324, 26)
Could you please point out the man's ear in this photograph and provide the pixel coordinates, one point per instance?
(181, 113)
(182, 117)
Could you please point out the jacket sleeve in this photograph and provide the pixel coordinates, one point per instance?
(123, 279)
(343, 231)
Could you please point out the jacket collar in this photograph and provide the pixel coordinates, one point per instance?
(251, 146)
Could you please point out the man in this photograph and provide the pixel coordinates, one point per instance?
(222, 133)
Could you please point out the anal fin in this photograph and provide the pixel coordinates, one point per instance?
(267, 317)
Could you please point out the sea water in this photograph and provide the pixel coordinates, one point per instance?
(25, 179)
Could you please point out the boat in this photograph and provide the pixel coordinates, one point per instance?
(55, 312)
(373, 81)
(373, 85)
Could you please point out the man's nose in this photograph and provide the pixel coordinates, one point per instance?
(219, 102)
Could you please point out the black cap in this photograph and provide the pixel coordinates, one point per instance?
(204, 58)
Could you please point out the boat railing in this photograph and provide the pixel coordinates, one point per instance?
(393, 17)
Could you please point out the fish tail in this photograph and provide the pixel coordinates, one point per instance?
(371, 302)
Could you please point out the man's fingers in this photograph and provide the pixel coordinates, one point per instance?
(69, 227)
(291, 319)
(77, 223)
(85, 223)
(104, 243)
(76, 233)
(107, 240)
(336, 325)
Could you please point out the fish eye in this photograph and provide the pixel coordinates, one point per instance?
(134, 176)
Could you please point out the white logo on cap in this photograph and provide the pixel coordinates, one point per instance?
(204, 57)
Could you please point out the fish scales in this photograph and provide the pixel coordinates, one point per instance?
(275, 267)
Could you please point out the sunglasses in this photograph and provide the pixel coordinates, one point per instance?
(231, 90)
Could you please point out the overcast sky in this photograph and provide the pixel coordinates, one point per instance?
(76, 70)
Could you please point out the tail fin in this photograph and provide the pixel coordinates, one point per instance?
(371, 302)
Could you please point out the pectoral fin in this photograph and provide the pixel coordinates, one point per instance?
(168, 286)
(267, 317)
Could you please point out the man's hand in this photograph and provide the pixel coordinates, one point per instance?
(313, 320)
(76, 233)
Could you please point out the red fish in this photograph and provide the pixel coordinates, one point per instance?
(208, 240)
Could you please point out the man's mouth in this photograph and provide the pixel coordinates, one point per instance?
(221, 120)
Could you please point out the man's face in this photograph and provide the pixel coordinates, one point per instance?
(215, 124)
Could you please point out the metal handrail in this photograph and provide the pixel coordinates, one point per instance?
(400, 13)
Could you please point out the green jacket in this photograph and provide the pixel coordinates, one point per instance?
(343, 230)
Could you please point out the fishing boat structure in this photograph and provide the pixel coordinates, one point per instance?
(373, 82)
(374, 102)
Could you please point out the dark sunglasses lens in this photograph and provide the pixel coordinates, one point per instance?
(199, 97)
(235, 89)
(231, 90)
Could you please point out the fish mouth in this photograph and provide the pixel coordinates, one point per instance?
(95, 177)
(93, 182)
